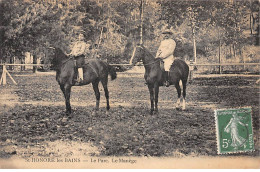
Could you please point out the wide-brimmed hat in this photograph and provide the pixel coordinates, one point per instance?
(167, 31)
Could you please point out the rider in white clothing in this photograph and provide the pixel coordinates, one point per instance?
(79, 51)
(165, 52)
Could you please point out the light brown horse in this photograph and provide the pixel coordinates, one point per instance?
(154, 75)
(94, 71)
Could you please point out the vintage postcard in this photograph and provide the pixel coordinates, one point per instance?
(118, 84)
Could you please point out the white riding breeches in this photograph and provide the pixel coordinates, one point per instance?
(168, 62)
(80, 73)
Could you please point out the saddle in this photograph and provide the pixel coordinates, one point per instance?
(161, 63)
(86, 63)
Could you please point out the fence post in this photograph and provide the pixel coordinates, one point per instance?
(3, 77)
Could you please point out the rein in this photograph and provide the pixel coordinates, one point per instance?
(155, 61)
(67, 60)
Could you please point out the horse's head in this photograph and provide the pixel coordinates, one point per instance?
(57, 56)
(53, 59)
(138, 54)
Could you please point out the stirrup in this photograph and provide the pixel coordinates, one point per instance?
(79, 82)
(166, 83)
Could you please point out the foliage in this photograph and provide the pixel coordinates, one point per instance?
(112, 27)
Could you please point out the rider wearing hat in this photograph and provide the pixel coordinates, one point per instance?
(79, 51)
(165, 52)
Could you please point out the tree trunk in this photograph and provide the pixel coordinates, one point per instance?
(22, 62)
(141, 18)
(258, 36)
(243, 58)
(11, 62)
(34, 62)
(194, 45)
(258, 31)
(219, 56)
(230, 48)
(234, 51)
(251, 27)
(100, 37)
(219, 52)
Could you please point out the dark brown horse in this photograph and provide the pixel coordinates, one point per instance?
(94, 71)
(154, 75)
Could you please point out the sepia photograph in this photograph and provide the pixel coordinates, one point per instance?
(129, 84)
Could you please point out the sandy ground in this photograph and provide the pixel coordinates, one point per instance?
(32, 120)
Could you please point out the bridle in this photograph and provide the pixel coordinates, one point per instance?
(63, 62)
(153, 62)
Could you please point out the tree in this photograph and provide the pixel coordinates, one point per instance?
(29, 24)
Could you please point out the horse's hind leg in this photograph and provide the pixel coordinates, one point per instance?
(104, 83)
(184, 82)
(97, 94)
(178, 88)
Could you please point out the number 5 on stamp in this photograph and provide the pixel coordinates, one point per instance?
(234, 130)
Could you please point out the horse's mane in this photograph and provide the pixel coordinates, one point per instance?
(60, 54)
(147, 51)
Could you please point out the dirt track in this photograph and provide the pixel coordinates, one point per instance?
(31, 118)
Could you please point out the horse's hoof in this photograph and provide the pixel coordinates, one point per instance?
(64, 119)
(156, 112)
(69, 116)
(94, 113)
(178, 108)
(151, 112)
(68, 112)
(107, 112)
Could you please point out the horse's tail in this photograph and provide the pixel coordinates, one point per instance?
(112, 72)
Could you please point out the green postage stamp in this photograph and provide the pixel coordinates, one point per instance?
(234, 130)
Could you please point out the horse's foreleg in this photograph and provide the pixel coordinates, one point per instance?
(184, 82)
(67, 90)
(156, 92)
(97, 94)
(178, 88)
(62, 89)
(104, 83)
(151, 87)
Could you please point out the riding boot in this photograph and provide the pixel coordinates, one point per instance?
(166, 83)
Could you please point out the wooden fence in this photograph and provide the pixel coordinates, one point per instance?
(5, 72)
